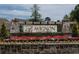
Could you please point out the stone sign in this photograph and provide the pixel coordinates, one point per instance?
(39, 28)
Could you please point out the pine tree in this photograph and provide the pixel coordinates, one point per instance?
(4, 32)
(36, 16)
(66, 17)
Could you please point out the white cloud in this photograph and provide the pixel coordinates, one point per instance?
(54, 11)
(15, 12)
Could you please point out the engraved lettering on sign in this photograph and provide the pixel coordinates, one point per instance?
(39, 28)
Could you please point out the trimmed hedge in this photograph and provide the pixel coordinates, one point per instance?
(36, 34)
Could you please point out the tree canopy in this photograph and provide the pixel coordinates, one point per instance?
(47, 19)
(66, 17)
(4, 31)
(36, 16)
(74, 15)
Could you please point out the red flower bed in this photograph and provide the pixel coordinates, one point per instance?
(58, 37)
(34, 37)
(39, 37)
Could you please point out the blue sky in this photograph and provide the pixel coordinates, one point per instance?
(23, 11)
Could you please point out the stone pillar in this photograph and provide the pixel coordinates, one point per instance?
(66, 27)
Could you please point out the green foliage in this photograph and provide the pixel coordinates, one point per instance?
(4, 32)
(36, 16)
(36, 34)
(66, 17)
(74, 15)
(47, 19)
(74, 30)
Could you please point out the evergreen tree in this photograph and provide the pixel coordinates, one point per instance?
(4, 32)
(36, 16)
(74, 16)
(66, 18)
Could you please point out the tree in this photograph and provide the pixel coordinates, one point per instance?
(66, 18)
(4, 31)
(74, 30)
(36, 16)
(47, 19)
(58, 20)
(74, 16)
